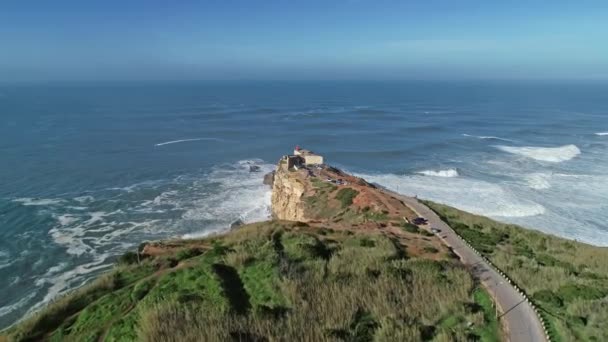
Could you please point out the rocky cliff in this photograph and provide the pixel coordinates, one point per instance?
(287, 195)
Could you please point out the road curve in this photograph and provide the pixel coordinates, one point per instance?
(518, 317)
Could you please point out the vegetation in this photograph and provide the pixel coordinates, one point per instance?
(346, 196)
(275, 281)
(568, 280)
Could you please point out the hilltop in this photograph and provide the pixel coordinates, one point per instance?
(339, 261)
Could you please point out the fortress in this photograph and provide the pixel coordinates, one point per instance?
(302, 157)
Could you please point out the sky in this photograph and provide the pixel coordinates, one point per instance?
(302, 40)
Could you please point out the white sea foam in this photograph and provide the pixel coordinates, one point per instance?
(539, 180)
(547, 154)
(242, 196)
(38, 201)
(84, 199)
(188, 206)
(6, 264)
(71, 239)
(66, 219)
(185, 140)
(5, 310)
(62, 282)
(487, 137)
(440, 173)
(475, 196)
(601, 133)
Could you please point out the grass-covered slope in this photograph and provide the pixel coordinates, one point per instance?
(274, 281)
(568, 280)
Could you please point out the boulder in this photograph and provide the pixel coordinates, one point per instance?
(254, 168)
(236, 224)
(269, 178)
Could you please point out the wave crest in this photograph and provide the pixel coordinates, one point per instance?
(440, 173)
(547, 154)
(486, 137)
(185, 140)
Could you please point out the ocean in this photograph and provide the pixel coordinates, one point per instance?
(90, 171)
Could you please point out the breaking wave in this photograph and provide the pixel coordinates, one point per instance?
(539, 180)
(38, 201)
(487, 137)
(476, 196)
(185, 140)
(441, 173)
(601, 133)
(547, 154)
(93, 229)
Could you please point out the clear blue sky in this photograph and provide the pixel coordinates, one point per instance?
(291, 39)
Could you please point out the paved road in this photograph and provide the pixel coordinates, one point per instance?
(519, 318)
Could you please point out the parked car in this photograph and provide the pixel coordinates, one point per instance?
(420, 221)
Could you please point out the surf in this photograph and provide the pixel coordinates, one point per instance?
(546, 154)
(487, 137)
(449, 173)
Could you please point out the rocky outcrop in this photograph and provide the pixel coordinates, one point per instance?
(269, 178)
(287, 195)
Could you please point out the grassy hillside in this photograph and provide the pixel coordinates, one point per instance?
(274, 281)
(567, 279)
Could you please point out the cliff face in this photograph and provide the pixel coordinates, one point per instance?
(287, 192)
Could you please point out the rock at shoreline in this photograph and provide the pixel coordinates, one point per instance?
(269, 178)
(236, 224)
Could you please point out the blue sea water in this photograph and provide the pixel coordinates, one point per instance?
(90, 171)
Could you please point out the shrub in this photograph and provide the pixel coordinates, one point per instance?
(128, 258)
(346, 196)
(430, 249)
(571, 292)
(548, 297)
(188, 253)
(408, 227)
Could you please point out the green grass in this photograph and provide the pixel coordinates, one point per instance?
(375, 216)
(273, 281)
(487, 331)
(410, 228)
(568, 280)
(346, 196)
(322, 185)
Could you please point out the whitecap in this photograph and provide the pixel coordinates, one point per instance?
(601, 133)
(487, 137)
(547, 154)
(440, 173)
(185, 140)
(475, 196)
(539, 180)
(84, 199)
(66, 219)
(38, 201)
